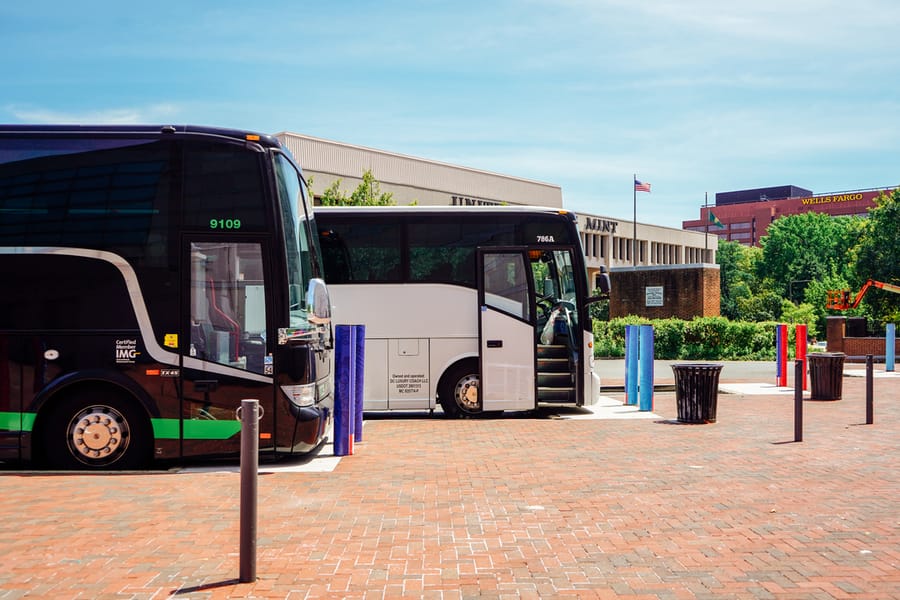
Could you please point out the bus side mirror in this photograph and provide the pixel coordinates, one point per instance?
(601, 281)
(318, 302)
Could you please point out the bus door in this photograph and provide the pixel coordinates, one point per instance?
(226, 357)
(563, 362)
(506, 329)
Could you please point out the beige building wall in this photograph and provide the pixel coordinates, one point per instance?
(411, 179)
(611, 242)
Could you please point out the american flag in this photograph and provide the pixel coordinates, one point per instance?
(640, 186)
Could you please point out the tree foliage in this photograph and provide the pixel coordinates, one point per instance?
(799, 249)
(737, 273)
(367, 193)
(878, 256)
(803, 256)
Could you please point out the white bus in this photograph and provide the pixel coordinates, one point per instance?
(478, 309)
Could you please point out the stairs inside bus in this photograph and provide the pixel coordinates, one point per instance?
(555, 375)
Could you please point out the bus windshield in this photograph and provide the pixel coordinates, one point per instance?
(555, 281)
(296, 238)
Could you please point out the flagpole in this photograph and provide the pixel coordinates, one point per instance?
(634, 222)
(706, 235)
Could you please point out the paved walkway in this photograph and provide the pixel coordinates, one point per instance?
(526, 506)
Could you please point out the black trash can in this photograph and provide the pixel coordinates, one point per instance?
(696, 391)
(826, 374)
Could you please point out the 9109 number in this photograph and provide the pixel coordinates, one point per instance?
(224, 223)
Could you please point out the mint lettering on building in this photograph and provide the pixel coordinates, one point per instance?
(601, 225)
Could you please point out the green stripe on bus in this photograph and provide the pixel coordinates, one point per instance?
(195, 429)
(14, 421)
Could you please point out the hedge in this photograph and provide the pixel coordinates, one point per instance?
(704, 338)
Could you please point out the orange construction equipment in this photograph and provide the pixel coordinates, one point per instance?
(840, 299)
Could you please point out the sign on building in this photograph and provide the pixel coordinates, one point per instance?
(654, 295)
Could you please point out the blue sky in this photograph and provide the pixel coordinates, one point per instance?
(694, 96)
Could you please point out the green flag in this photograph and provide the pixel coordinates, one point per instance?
(714, 220)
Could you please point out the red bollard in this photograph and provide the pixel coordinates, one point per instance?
(800, 342)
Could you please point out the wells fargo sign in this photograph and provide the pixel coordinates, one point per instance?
(852, 197)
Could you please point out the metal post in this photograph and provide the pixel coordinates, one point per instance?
(800, 342)
(798, 400)
(359, 370)
(634, 223)
(781, 355)
(645, 361)
(249, 417)
(632, 342)
(870, 388)
(890, 347)
(344, 405)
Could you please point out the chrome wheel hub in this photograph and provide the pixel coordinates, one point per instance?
(466, 394)
(98, 432)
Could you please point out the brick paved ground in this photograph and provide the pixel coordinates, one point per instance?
(502, 508)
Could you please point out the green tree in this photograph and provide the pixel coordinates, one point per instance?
(333, 196)
(799, 249)
(737, 273)
(802, 313)
(878, 256)
(367, 193)
(766, 305)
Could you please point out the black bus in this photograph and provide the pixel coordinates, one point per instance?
(152, 278)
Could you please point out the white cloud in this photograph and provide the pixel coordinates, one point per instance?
(111, 116)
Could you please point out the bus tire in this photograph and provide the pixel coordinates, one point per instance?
(96, 428)
(459, 391)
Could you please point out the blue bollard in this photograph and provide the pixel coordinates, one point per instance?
(632, 341)
(344, 403)
(781, 355)
(359, 380)
(646, 368)
(890, 347)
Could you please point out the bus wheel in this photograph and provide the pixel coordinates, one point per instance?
(460, 391)
(97, 430)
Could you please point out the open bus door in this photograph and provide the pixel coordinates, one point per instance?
(506, 329)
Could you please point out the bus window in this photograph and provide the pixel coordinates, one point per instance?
(222, 189)
(367, 252)
(505, 284)
(443, 251)
(228, 310)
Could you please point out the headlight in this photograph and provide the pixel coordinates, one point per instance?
(300, 395)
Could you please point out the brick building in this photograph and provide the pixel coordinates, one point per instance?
(745, 214)
(680, 291)
(851, 338)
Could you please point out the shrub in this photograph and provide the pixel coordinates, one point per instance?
(704, 338)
